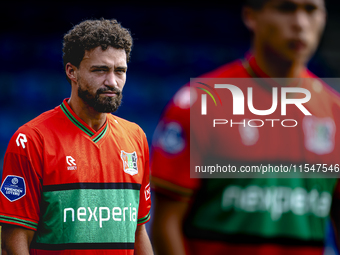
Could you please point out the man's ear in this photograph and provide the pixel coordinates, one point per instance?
(71, 72)
(249, 18)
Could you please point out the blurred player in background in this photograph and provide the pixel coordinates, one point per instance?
(76, 178)
(252, 216)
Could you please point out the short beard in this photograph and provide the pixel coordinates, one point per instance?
(103, 104)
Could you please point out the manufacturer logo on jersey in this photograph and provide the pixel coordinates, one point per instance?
(13, 187)
(319, 134)
(71, 162)
(129, 162)
(21, 140)
(147, 192)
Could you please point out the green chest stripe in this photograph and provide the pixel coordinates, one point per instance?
(88, 216)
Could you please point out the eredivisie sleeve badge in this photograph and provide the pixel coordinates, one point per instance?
(129, 162)
(13, 187)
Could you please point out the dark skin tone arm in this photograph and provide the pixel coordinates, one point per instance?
(15, 240)
(142, 243)
(167, 234)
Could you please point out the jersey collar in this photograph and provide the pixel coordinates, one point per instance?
(252, 68)
(94, 135)
(255, 71)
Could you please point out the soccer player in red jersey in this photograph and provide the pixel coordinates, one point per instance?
(251, 215)
(76, 178)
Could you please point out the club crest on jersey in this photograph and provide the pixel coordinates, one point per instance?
(129, 162)
(319, 134)
(13, 187)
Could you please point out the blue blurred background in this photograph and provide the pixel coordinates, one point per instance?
(171, 44)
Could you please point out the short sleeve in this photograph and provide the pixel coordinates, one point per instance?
(145, 192)
(170, 152)
(21, 180)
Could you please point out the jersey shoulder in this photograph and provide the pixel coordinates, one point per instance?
(29, 137)
(323, 90)
(42, 120)
(331, 93)
(37, 126)
(127, 128)
(132, 126)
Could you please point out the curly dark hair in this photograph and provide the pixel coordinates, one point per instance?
(90, 34)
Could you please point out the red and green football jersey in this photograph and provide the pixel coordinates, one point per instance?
(250, 215)
(81, 191)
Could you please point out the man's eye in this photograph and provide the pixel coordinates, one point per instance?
(310, 8)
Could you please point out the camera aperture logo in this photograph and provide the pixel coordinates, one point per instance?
(238, 104)
(204, 97)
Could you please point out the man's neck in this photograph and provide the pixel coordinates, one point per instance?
(94, 119)
(275, 66)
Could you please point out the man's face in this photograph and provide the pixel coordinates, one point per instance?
(101, 77)
(290, 28)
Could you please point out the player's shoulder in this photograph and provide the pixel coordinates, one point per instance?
(30, 134)
(123, 122)
(324, 90)
(39, 123)
(331, 92)
(126, 125)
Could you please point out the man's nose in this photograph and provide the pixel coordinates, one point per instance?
(300, 20)
(110, 80)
